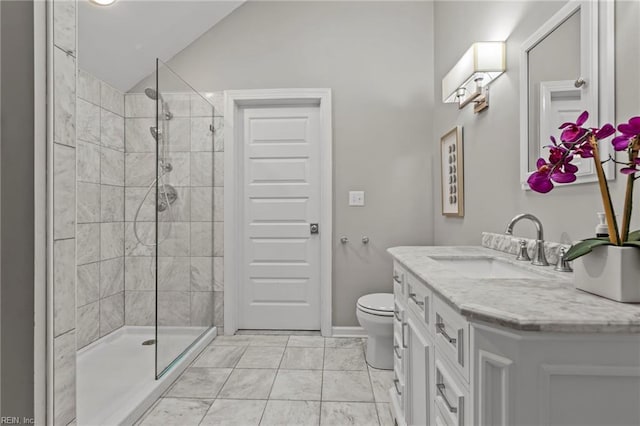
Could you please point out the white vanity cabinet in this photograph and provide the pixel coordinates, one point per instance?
(455, 371)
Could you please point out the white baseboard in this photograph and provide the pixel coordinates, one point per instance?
(348, 332)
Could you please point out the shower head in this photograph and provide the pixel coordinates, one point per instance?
(152, 94)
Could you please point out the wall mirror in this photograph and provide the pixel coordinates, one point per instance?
(566, 67)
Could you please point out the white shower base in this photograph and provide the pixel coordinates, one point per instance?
(116, 374)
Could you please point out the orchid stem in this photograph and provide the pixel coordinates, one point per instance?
(628, 198)
(614, 236)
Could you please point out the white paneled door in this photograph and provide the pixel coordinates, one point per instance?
(280, 255)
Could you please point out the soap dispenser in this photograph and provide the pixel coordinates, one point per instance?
(602, 230)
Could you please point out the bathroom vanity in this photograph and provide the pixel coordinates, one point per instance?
(483, 339)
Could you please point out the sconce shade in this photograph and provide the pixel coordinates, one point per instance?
(484, 60)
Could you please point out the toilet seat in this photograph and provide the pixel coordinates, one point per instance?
(380, 304)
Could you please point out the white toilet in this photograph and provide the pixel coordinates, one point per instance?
(375, 315)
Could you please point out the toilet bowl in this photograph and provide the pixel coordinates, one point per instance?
(375, 315)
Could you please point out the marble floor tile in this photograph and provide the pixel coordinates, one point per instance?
(248, 384)
(384, 414)
(220, 356)
(199, 383)
(177, 412)
(237, 340)
(266, 340)
(348, 414)
(279, 332)
(235, 412)
(344, 359)
(382, 381)
(306, 341)
(261, 357)
(291, 413)
(304, 385)
(352, 386)
(344, 342)
(302, 358)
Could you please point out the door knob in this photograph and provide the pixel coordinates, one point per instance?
(314, 228)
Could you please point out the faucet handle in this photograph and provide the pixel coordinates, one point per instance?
(523, 254)
(563, 263)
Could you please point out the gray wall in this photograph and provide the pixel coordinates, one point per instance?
(17, 246)
(492, 191)
(376, 57)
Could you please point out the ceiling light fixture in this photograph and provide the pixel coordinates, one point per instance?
(103, 2)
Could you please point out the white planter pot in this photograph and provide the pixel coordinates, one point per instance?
(610, 271)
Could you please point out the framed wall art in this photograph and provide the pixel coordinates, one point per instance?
(452, 173)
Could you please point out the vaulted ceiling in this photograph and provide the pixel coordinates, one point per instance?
(120, 43)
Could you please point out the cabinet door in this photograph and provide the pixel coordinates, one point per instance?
(418, 357)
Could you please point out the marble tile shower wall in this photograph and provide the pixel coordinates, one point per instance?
(190, 234)
(100, 209)
(63, 232)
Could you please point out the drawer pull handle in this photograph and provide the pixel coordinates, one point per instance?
(441, 388)
(443, 331)
(397, 315)
(396, 350)
(396, 278)
(404, 345)
(413, 297)
(395, 383)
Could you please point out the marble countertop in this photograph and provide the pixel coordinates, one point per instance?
(550, 303)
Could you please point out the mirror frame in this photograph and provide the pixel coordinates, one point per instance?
(597, 55)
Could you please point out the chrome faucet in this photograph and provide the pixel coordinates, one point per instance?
(538, 257)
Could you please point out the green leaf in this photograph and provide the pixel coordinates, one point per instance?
(632, 244)
(584, 247)
(634, 236)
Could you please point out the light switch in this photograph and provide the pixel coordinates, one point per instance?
(356, 198)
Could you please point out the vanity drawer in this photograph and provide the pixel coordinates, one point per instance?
(398, 356)
(451, 332)
(397, 390)
(441, 417)
(418, 298)
(451, 397)
(398, 280)
(398, 323)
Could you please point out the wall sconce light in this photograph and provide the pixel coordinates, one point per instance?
(469, 79)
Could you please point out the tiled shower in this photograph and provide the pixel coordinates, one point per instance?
(145, 275)
(115, 166)
(119, 335)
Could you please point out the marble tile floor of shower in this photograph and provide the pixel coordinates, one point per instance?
(277, 380)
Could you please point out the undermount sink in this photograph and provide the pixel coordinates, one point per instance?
(486, 267)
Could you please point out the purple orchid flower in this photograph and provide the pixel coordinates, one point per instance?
(575, 141)
(540, 180)
(632, 168)
(574, 131)
(584, 150)
(604, 132)
(629, 130)
(560, 171)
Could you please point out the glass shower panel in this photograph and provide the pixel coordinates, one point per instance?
(184, 217)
